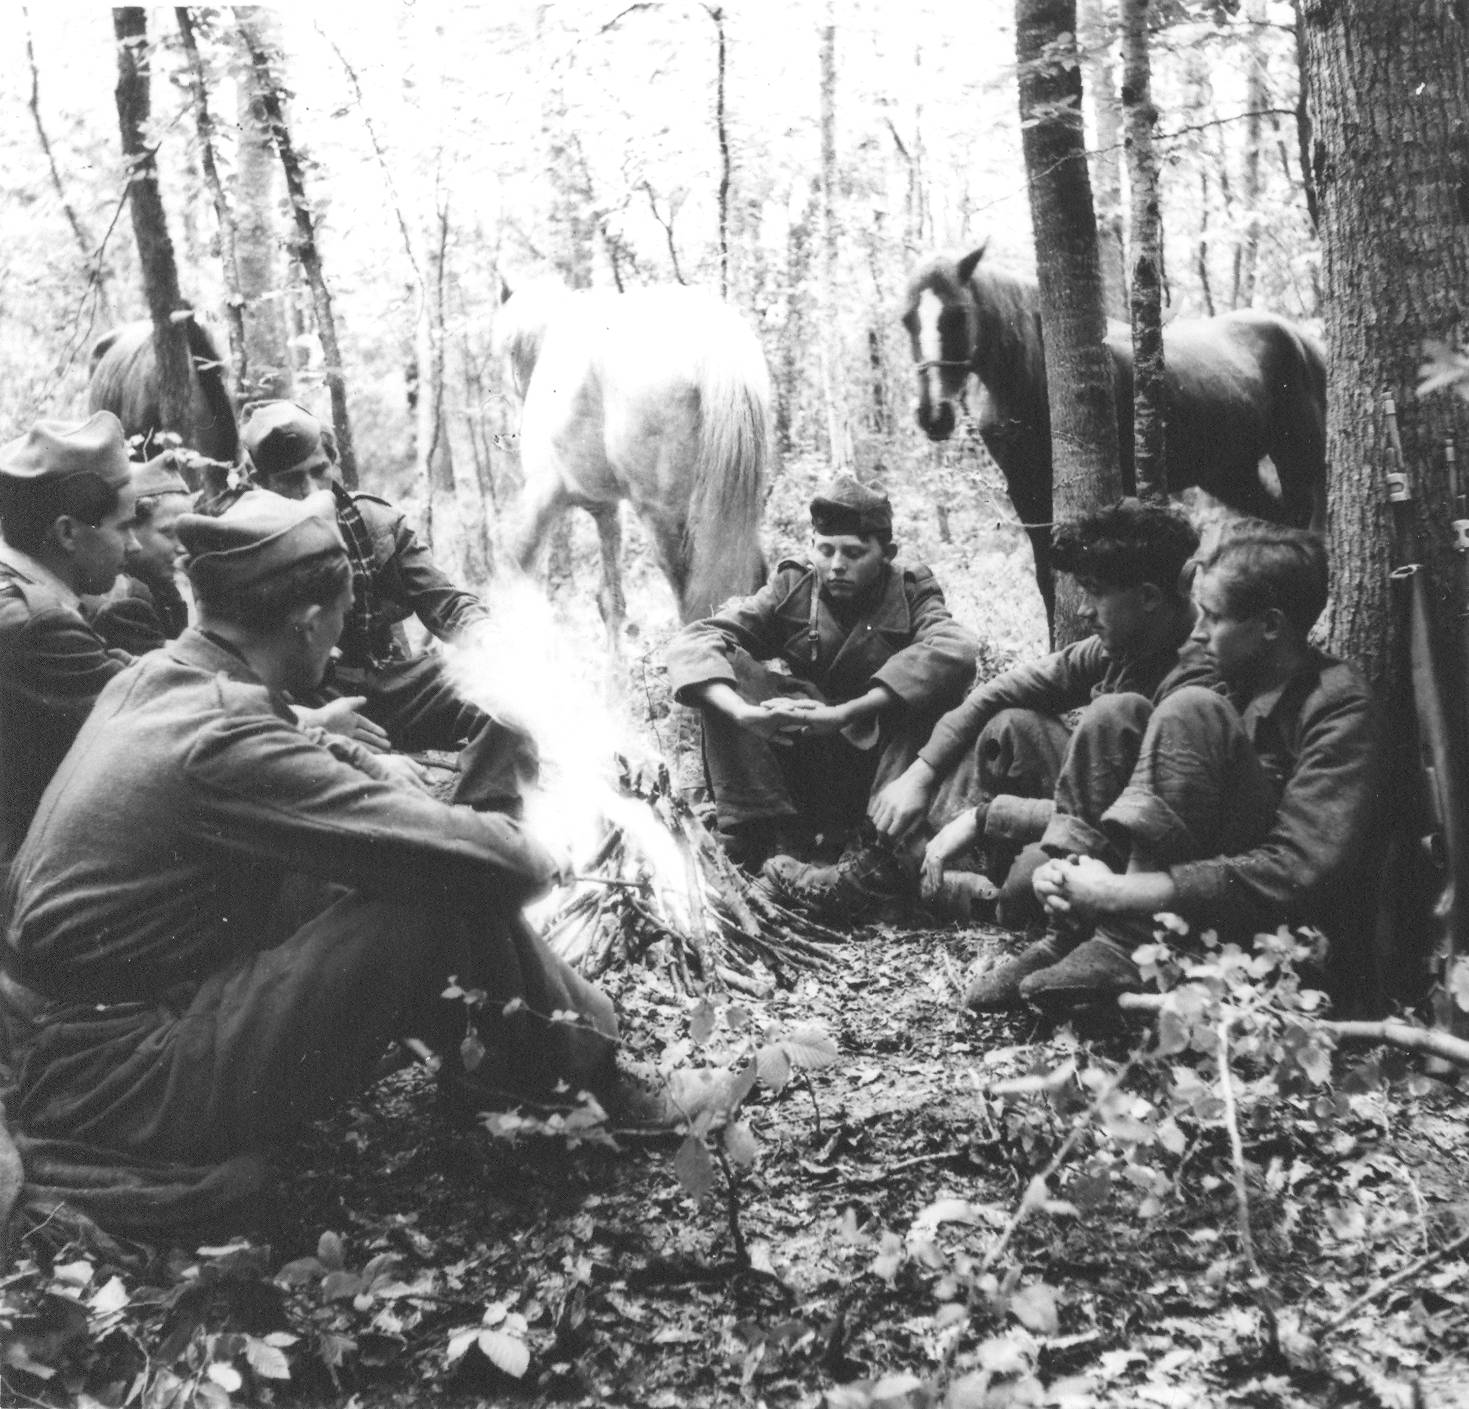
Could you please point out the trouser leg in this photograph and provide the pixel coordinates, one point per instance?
(1098, 763)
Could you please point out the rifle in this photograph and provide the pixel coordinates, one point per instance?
(1446, 835)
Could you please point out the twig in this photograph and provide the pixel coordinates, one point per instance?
(1397, 1278)
(732, 1206)
(1258, 1281)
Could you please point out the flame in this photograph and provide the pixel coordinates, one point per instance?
(524, 667)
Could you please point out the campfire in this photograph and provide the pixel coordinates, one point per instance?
(660, 891)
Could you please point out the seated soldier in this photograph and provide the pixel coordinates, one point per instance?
(393, 577)
(217, 923)
(66, 519)
(866, 656)
(1243, 810)
(145, 607)
(1012, 748)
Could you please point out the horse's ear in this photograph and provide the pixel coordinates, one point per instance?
(970, 262)
(505, 290)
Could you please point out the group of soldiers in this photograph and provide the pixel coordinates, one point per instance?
(228, 890)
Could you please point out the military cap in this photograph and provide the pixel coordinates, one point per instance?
(281, 436)
(52, 451)
(159, 476)
(846, 505)
(259, 535)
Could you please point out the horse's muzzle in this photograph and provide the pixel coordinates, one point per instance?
(936, 422)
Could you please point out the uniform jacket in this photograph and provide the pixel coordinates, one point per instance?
(53, 665)
(904, 639)
(1316, 736)
(403, 581)
(162, 846)
(1064, 680)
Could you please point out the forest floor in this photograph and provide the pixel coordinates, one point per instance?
(397, 1238)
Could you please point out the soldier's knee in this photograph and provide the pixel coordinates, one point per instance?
(1112, 714)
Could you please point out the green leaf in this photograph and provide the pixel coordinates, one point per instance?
(694, 1167)
(740, 1144)
(810, 1046)
(702, 1022)
(329, 1250)
(471, 1050)
(505, 1351)
(1035, 1308)
(225, 1376)
(774, 1067)
(338, 1286)
(265, 1360)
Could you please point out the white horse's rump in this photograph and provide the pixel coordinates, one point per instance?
(658, 396)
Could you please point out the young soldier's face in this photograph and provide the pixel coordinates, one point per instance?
(158, 539)
(1118, 616)
(98, 552)
(298, 483)
(847, 565)
(1236, 644)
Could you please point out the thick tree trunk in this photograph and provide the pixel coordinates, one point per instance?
(265, 63)
(1390, 114)
(1078, 365)
(1150, 394)
(1097, 40)
(268, 369)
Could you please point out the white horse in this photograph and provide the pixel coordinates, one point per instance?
(659, 396)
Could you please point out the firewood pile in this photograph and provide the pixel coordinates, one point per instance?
(660, 891)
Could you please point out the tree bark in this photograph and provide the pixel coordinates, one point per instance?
(1150, 394)
(1079, 370)
(264, 63)
(1100, 76)
(269, 368)
(721, 132)
(204, 122)
(150, 225)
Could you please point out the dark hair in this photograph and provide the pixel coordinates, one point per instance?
(1266, 565)
(264, 605)
(28, 510)
(1126, 544)
(852, 528)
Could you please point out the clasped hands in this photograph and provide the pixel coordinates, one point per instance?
(786, 718)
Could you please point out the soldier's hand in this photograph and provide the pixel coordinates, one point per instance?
(342, 717)
(405, 772)
(901, 806)
(801, 716)
(952, 840)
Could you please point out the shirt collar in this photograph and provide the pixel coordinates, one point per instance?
(39, 574)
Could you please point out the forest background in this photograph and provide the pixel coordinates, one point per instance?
(799, 157)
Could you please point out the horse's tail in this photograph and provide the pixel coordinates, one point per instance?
(722, 554)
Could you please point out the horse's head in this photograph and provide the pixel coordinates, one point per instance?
(520, 328)
(942, 320)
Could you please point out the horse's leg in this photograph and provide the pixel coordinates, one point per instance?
(611, 601)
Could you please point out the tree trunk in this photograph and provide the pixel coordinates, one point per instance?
(1390, 154)
(721, 132)
(204, 121)
(1078, 365)
(268, 369)
(1101, 78)
(1257, 100)
(838, 450)
(265, 61)
(150, 226)
(1150, 394)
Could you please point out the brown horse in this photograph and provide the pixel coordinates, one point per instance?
(1240, 388)
(125, 382)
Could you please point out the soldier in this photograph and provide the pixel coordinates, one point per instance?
(66, 520)
(218, 921)
(1242, 810)
(996, 767)
(145, 607)
(864, 656)
(393, 577)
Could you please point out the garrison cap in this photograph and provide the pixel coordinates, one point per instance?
(846, 505)
(159, 475)
(53, 451)
(281, 436)
(258, 536)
